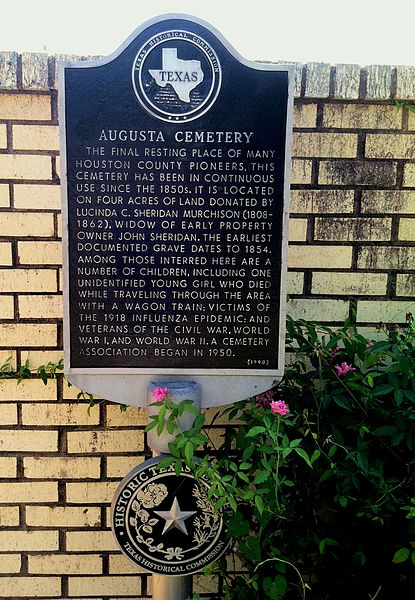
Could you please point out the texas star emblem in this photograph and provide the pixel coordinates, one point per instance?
(176, 76)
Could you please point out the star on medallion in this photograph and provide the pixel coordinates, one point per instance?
(175, 517)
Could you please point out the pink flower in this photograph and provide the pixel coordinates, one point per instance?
(334, 352)
(370, 344)
(279, 407)
(343, 369)
(160, 393)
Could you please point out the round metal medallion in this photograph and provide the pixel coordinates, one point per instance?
(176, 76)
(165, 523)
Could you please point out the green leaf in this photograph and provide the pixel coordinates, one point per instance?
(237, 526)
(259, 503)
(178, 465)
(245, 466)
(303, 455)
(385, 430)
(261, 477)
(255, 431)
(401, 555)
(275, 589)
(316, 454)
(189, 452)
(232, 503)
(342, 402)
(165, 462)
(252, 549)
(384, 388)
(151, 425)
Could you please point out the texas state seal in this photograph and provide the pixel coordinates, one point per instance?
(165, 523)
(176, 76)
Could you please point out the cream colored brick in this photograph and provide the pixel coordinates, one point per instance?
(90, 541)
(61, 564)
(318, 310)
(301, 171)
(407, 230)
(18, 334)
(388, 311)
(320, 257)
(22, 224)
(60, 286)
(28, 280)
(4, 195)
(28, 441)
(386, 257)
(105, 441)
(322, 201)
(6, 307)
(8, 464)
(411, 121)
(58, 166)
(205, 583)
(361, 116)
(59, 414)
(123, 585)
(35, 137)
(29, 540)
(133, 416)
(8, 416)
(37, 196)
(29, 492)
(120, 564)
(37, 358)
(25, 166)
(40, 253)
(9, 516)
(119, 466)
(91, 492)
(10, 563)
(295, 282)
(31, 389)
(3, 137)
(409, 175)
(349, 283)
(357, 172)
(352, 229)
(25, 107)
(38, 587)
(390, 146)
(297, 230)
(305, 115)
(63, 516)
(40, 307)
(405, 285)
(325, 145)
(57, 467)
(5, 253)
(59, 226)
(9, 357)
(388, 201)
(215, 436)
(70, 392)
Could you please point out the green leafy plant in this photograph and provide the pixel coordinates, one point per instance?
(316, 477)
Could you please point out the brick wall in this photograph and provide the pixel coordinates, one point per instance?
(352, 250)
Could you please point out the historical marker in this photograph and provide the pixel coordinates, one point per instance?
(175, 160)
(165, 523)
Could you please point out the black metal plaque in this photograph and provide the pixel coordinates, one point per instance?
(165, 523)
(175, 155)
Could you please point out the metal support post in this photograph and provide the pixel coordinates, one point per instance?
(167, 587)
